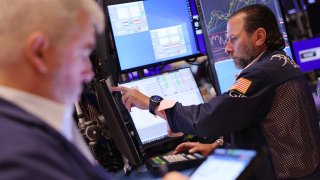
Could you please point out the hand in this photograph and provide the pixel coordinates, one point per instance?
(175, 176)
(172, 134)
(132, 98)
(178, 134)
(192, 147)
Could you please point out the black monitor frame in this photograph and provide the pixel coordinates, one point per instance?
(160, 63)
(116, 125)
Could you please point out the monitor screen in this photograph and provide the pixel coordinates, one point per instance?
(307, 53)
(215, 16)
(152, 32)
(178, 85)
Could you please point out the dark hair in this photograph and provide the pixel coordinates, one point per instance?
(260, 16)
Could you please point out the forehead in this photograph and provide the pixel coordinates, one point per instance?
(235, 24)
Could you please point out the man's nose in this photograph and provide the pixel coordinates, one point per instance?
(228, 48)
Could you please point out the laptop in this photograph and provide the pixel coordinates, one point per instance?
(178, 85)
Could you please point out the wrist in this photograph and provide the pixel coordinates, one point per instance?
(154, 102)
(220, 141)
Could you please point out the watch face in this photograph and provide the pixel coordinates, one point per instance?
(156, 98)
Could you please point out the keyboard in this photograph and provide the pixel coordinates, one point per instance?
(159, 165)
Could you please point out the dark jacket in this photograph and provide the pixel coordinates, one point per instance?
(270, 105)
(30, 149)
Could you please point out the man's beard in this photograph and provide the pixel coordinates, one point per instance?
(246, 59)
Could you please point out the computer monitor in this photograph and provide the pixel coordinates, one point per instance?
(116, 124)
(152, 32)
(178, 85)
(307, 53)
(214, 17)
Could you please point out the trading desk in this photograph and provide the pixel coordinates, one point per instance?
(142, 173)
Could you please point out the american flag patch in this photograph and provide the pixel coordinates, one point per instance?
(242, 85)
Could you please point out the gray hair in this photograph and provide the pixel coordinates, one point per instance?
(20, 18)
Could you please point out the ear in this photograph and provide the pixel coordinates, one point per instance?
(260, 36)
(37, 44)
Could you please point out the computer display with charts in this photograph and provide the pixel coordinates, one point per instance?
(153, 32)
(215, 15)
(178, 85)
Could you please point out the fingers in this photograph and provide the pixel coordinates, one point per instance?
(194, 149)
(184, 147)
(179, 148)
(178, 134)
(129, 104)
(172, 134)
(175, 175)
(132, 97)
(126, 100)
(119, 88)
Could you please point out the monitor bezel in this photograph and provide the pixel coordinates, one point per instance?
(107, 3)
(115, 124)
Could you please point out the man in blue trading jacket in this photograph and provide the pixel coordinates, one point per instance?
(270, 103)
(44, 59)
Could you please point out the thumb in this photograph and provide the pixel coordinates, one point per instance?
(193, 150)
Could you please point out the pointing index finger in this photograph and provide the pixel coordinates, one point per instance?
(119, 88)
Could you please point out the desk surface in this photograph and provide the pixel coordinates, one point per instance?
(142, 173)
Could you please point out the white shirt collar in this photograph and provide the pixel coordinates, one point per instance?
(54, 114)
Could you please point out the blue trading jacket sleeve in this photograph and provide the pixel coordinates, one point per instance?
(220, 116)
(224, 114)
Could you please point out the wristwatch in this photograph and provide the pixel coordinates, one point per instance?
(154, 101)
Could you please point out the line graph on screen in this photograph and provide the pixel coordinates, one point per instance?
(216, 15)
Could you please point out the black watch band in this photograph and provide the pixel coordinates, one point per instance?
(154, 101)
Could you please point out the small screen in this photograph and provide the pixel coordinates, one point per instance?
(307, 54)
(226, 164)
(178, 85)
(152, 32)
(197, 26)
